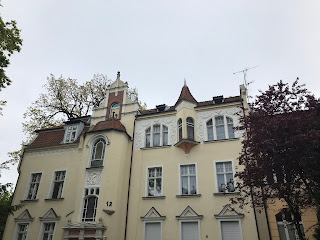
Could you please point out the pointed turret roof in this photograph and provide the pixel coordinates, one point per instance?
(186, 95)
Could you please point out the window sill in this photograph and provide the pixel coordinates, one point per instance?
(149, 148)
(29, 200)
(54, 199)
(188, 195)
(222, 140)
(153, 197)
(97, 167)
(226, 193)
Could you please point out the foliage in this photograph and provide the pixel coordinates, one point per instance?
(134, 91)
(10, 42)
(6, 209)
(280, 151)
(2, 104)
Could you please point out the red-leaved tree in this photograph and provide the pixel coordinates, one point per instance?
(280, 152)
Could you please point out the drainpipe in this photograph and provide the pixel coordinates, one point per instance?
(125, 230)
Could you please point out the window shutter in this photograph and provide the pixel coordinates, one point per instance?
(153, 231)
(189, 231)
(230, 230)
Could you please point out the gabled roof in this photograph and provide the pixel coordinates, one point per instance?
(186, 95)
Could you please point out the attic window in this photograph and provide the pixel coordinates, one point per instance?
(71, 133)
(218, 99)
(161, 108)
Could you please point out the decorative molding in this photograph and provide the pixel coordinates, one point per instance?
(25, 216)
(109, 212)
(93, 177)
(56, 151)
(189, 213)
(142, 125)
(228, 213)
(204, 116)
(185, 104)
(153, 215)
(50, 215)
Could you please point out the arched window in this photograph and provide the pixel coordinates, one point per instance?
(164, 135)
(190, 128)
(230, 127)
(156, 135)
(114, 110)
(90, 204)
(180, 129)
(210, 130)
(220, 127)
(148, 134)
(98, 153)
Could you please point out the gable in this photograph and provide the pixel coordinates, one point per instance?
(228, 213)
(189, 213)
(50, 215)
(152, 214)
(25, 216)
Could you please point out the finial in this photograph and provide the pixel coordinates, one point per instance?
(118, 75)
(185, 82)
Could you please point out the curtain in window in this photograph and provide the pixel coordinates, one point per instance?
(230, 127)
(164, 135)
(220, 127)
(156, 135)
(190, 128)
(210, 130)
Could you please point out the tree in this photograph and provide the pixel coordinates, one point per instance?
(10, 42)
(280, 152)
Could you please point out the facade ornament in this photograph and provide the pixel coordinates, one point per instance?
(93, 178)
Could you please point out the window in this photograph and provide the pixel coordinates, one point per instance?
(90, 204)
(210, 130)
(71, 133)
(22, 231)
(114, 111)
(230, 127)
(230, 230)
(188, 179)
(164, 135)
(220, 128)
(48, 230)
(190, 231)
(286, 227)
(34, 186)
(180, 129)
(155, 181)
(225, 180)
(58, 182)
(98, 153)
(152, 231)
(156, 135)
(190, 128)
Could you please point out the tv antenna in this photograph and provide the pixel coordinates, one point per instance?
(244, 71)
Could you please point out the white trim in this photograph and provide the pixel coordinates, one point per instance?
(147, 176)
(215, 173)
(191, 220)
(230, 220)
(90, 145)
(15, 234)
(52, 181)
(144, 227)
(28, 186)
(179, 176)
(41, 232)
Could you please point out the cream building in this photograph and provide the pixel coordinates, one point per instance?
(160, 174)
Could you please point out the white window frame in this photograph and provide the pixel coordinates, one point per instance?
(151, 221)
(216, 176)
(187, 220)
(67, 130)
(197, 182)
(90, 145)
(214, 127)
(87, 196)
(285, 223)
(191, 125)
(29, 185)
(152, 133)
(230, 220)
(16, 230)
(147, 180)
(42, 229)
(93, 149)
(53, 181)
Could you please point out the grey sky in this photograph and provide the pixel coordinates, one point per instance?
(155, 45)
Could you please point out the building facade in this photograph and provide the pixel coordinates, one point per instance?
(158, 174)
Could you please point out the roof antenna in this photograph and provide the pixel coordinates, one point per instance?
(245, 82)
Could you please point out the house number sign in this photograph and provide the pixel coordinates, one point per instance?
(109, 204)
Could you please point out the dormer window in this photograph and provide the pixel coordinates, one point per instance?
(115, 110)
(156, 135)
(71, 133)
(220, 127)
(190, 128)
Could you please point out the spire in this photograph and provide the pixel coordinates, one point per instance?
(186, 95)
(185, 82)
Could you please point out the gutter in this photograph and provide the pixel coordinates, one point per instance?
(125, 230)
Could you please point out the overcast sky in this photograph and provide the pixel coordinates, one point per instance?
(155, 45)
